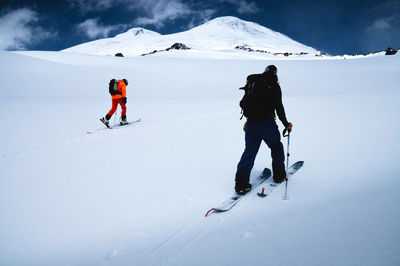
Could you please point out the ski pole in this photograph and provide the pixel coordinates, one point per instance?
(287, 164)
(115, 116)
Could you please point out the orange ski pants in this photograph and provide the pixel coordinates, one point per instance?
(115, 103)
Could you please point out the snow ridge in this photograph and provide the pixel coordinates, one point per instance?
(220, 34)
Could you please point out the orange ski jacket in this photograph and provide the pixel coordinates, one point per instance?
(121, 88)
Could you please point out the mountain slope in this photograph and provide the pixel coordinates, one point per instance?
(220, 34)
(137, 195)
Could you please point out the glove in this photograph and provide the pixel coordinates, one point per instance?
(287, 129)
(124, 100)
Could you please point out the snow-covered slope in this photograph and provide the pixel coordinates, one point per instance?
(220, 34)
(137, 195)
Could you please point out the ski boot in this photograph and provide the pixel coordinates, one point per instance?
(123, 121)
(279, 174)
(105, 120)
(241, 190)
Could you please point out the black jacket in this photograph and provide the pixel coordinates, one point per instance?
(263, 97)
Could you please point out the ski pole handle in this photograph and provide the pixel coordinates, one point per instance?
(285, 131)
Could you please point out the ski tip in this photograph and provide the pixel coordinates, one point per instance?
(208, 213)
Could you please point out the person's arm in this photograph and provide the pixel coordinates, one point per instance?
(123, 92)
(123, 89)
(280, 110)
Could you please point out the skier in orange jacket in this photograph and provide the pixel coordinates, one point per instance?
(119, 98)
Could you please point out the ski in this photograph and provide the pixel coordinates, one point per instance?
(115, 126)
(232, 201)
(269, 186)
(129, 123)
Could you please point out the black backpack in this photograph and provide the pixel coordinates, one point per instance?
(113, 87)
(257, 102)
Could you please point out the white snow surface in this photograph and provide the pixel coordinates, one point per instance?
(220, 34)
(137, 195)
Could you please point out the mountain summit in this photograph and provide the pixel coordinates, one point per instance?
(220, 34)
(234, 25)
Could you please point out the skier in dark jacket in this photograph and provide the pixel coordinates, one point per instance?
(263, 97)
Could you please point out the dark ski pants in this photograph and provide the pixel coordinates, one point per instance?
(266, 130)
(115, 103)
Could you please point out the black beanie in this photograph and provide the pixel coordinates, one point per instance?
(271, 69)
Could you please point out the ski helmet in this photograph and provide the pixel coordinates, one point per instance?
(271, 69)
(125, 81)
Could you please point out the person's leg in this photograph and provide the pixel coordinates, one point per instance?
(246, 162)
(113, 109)
(123, 113)
(278, 162)
(123, 107)
(272, 138)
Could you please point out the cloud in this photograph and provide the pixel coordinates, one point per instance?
(86, 6)
(243, 6)
(382, 24)
(387, 17)
(151, 12)
(384, 29)
(202, 17)
(158, 12)
(93, 29)
(18, 30)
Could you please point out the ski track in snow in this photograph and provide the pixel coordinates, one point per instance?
(174, 245)
(104, 131)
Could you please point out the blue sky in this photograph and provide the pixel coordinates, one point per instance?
(336, 27)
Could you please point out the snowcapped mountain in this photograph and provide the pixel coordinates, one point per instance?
(220, 34)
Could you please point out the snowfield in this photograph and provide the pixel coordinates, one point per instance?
(137, 195)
